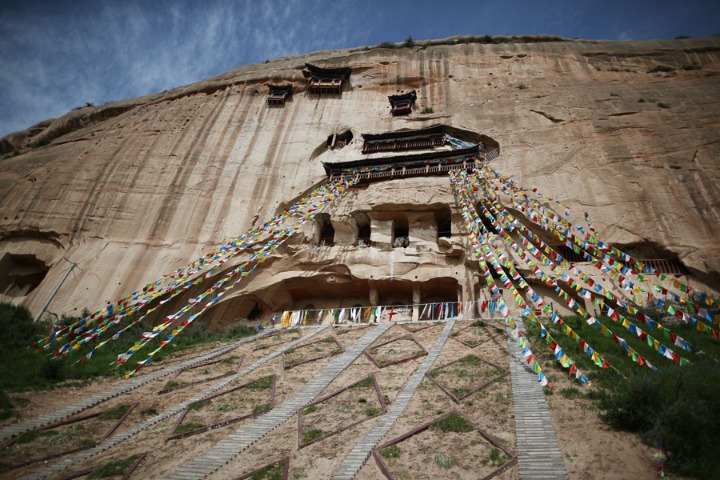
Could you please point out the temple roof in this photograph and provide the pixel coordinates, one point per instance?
(459, 133)
(280, 89)
(408, 159)
(403, 97)
(402, 134)
(312, 70)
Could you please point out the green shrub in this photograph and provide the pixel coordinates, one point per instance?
(443, 460)
(113, 469)
(452, 423)
(188, 427)
(663, 105)
(309, 410)
(393, 451)
(471, 360)
(115, 413)
(269, 472)
(198, 405)
(372, 411)
(368, 382)
(409, 42)
(676, 408)
(261, 383)
(427, 110)
(311, 435)
(389, 45)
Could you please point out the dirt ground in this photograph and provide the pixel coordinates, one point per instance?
(317, 443)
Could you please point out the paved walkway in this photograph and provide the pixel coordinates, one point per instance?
(539, 456)
(244, 437)
(118, 389)
(362, 450)
(114, 440)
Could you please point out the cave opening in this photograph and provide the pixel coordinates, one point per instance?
(20, 274)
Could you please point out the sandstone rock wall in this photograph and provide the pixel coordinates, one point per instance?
(134, 189)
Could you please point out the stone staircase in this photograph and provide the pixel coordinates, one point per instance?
(116, 439)
(362, 450)
(539, 456)
(48, 418)
(244, 437)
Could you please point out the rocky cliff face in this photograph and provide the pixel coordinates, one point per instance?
(626, 131)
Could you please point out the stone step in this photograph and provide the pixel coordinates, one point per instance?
(539, 455)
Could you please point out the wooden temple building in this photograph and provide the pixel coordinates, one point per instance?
(438, 149)
(402, 104)
(277, 94)
(325, 80)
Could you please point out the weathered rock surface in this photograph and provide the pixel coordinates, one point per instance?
(136, 188)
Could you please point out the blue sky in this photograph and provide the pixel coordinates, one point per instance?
(57, 55)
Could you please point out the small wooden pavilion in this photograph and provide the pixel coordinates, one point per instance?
(326, 80)
(402, 104)
(277, 94)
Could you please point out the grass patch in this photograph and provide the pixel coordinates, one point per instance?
(393, 451)
(388, 45)
(673, 407)
(452, 423)
(496, 458)
(372, 411)
(269, 472)
(362, 400)
(570, 392)
(263, 407)
(663, 105)
(113, 469)
(188, 427)
(427, 110)
(172, 384)
(198, 405)
(328, 340)
(309, 410)
(478, 323)
(460, 392)
(34, 370)
(462, 373)
(311, 435)
(289, 351)
(471, 360)
(368, 382)
(443, 460)
(148, 411)
(261, 383)
(230, 360)
(7, 409)
(32, 435)
(115, 413)
(224, 407)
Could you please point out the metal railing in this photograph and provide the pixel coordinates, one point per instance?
(426, 312)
